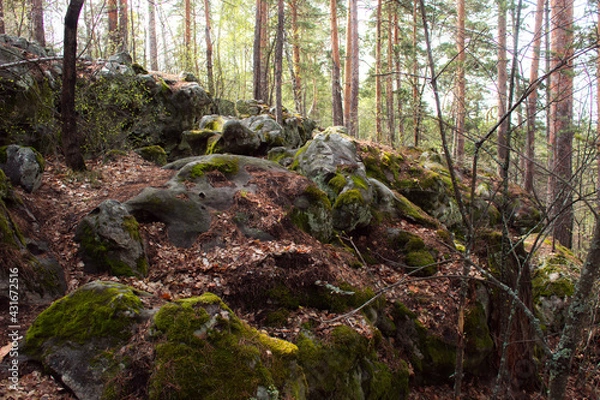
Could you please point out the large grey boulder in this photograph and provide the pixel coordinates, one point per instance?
(24, 166)
(331, 161)
(110, 241)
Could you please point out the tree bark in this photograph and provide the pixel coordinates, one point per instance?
(70, 138)
(2, 26)
(113, 25)
(351, 71)
(37, 19)
(260, 76)
(561, 114)
(532, 99)
(378, 77)
(336, 88)
(560, 364)
(296, 76)
(209, 48)
(502, 87)
(279, 63)
(152, 45)
(389, 82)
(459, 133)
(416, 97)
(187, 35)
(123, 31)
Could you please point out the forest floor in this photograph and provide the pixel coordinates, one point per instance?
(52, 213)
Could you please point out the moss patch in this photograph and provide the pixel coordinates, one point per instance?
(226, 165)
(96, 310)
(205, 351)
(154, 154)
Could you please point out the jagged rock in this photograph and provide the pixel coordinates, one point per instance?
(237, 138)
(331, 161)
(76, 336)
(23, 165)
(110, 241)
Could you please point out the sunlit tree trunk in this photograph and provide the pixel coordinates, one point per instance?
(398, 65)
(123, 26)
(336, 88)
(37, 19)
(70, 137)
(187, 35)
(561, 115)
(209, 48)
(378, 77)
(532, 100)
(459, 133)
(152, 45)
(416, 97)
(502, 86)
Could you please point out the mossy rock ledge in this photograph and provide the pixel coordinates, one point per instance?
(76, 336)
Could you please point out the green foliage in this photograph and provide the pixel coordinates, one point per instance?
(109, 109)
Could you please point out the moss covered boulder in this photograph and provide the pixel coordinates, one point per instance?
(76, 336)
(110, 241)
(418, 258)
(312, 213)
(203, 350)
(345, 365)
(154, 154)
(331, 161)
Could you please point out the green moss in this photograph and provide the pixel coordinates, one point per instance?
(296, 163)
(349, 197)
(421, 259)
(205, 351)
(552, 279)
(96, 310)
(479, 342)
(155, 154)
(226, 165)
(131, 226)
(414, 213)
(277, 318)
(359, 182)
(337, 183)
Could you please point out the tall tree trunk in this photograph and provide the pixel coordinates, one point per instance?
(296, 76)
(560, 364)
(123, 21)
(351, 71)
(70, 137)
(2, 26)
(37, 19)
(416, 97)
(378, 77)
(279, 63)
(113, 25)
(389, 82)
(187, 35)
(397, 66)
(153, 50)
(532, 99)
(502, 86)
(459, 149)
(260, 78)
(561, 113)
(209, 48)
(336, 88)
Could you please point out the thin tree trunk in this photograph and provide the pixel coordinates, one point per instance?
(532, 100)
(398, 65)
(336, 88)
(37, 19)
(561, 112)
(123, 22)
(260, 82)
(378, 77)
(416, 98)
(187, 35)
(348, 66)
(70, 138)
(459, 150)
(2, 26)
(209, 48)
(502, 86)
(389, 87)
(152, 36)
(355, 72)
(279, 63)
(296, 76)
